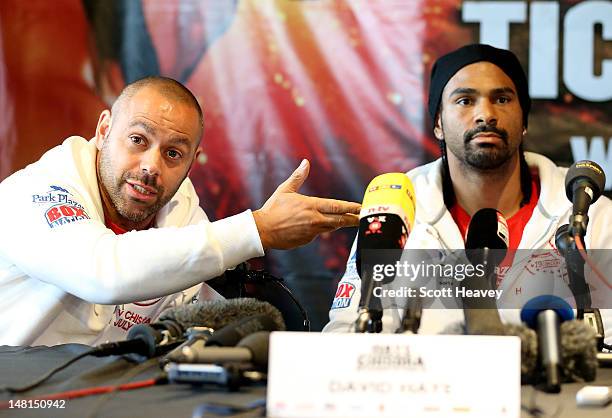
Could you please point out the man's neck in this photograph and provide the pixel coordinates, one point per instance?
(477, 189)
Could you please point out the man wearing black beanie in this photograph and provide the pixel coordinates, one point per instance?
(479, 104)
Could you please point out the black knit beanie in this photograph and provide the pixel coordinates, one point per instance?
(446, 67)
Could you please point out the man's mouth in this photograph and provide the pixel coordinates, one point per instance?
(142, 189)
(487, 138)
(486, 135)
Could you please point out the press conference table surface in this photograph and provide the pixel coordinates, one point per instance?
(20, 365)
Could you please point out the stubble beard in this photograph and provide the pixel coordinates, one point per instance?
(112, 186)
(485, 157)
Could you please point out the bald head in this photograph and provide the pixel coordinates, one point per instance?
(165, 86)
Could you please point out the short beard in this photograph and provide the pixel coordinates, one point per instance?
(485, 157)
(112, 186)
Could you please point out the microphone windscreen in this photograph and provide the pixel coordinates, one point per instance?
(589, 172)
(387, 215)
(533, 307)
(529, 347)
(219, 313)
(578, 351)
(391, 193)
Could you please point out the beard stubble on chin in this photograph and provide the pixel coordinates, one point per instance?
(486, 156)
(120, 201)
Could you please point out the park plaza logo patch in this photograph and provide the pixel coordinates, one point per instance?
(344, 294)
(60, 208)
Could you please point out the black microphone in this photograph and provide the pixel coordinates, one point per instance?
(164, 335)
(487, 238)
(147, 340)
(228, 336)
(545, 314)
(386, 219)
(584, 183)
(251, 349)
(486, 244)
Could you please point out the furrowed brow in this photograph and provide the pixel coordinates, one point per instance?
(147, 128)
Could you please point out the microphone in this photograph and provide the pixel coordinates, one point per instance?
(219, 313)
(545, 314)
(386, 219)
(228, 336)
(159, 337)
(147, 340)
(251, 349)
(584, 183)
(486, 244)
(579, 356)
(488, 230)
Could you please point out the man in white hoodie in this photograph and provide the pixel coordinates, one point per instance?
(100, 235)
(479, 103)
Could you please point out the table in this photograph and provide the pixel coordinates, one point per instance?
(20, 365)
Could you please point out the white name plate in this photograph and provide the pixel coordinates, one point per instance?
(388, 375)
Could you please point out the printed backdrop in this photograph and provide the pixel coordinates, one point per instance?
(340, 82)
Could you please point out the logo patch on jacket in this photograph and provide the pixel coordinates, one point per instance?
(59, 206)
(344, 294)
(63, 214)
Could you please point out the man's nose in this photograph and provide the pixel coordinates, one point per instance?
(150, 162)
(485, 113)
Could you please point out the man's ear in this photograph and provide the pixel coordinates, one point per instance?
(438, 132)
(103, 128)
(195, 158)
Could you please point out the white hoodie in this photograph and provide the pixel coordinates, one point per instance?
(66, 277)
(435, 228)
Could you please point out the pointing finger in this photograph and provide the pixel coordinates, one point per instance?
(336, 206)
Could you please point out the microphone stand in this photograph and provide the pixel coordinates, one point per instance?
(481, 314)
(575, 268)
(411, 320)
(370, 314)
(566, 244)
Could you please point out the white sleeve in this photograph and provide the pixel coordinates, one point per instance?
(81, 256)
(343, 312)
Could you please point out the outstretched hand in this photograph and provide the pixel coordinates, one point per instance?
(289, 219)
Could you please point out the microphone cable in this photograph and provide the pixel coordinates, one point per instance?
(97, 390)
(46, 376)
(37, 382)
(303, 312)
(243, 275)
(122, 385)
(587, 259)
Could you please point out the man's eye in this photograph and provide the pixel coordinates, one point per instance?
(503, 100)
(174, 154)
(464, 101)
(136, 140)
